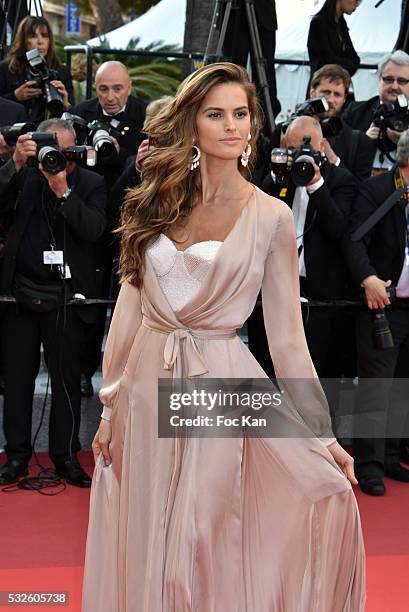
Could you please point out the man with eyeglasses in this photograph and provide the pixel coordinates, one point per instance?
(393, 73)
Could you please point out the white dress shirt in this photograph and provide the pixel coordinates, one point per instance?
(300, 205)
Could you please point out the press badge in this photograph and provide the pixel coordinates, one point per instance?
(53, 257)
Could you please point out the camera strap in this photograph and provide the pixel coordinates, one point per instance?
(399, 195)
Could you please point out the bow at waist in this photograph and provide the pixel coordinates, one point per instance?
(181, 342)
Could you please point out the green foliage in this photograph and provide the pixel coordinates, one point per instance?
(152, 77)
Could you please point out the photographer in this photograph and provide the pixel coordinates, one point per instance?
(59, 213)
(368, 116)
(379, 259)
(320, 196)
(22, 83)
(343, 146)
(119, 111)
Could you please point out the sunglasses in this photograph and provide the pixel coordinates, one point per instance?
(389, 80)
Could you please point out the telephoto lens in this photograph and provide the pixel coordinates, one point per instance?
(52, 160)
(53, 99)
(302, 170)
(381, 331)
(11, 133)
(104, 147)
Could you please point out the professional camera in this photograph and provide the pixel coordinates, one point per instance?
(54, 159)
(11, 133)
(42, 75)
(314, 107)
(100, 138)
(382, 335)
(394, 115)
(97, 135)
(296, 164)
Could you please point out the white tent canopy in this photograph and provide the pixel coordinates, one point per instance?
(373, 32)
(163, 22)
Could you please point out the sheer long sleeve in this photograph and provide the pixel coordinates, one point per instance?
(125, 323)
(289, 352)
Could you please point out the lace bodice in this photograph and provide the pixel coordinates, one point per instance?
(180, 273)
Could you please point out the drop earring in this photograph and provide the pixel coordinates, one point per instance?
(196, 157)
(245, 156)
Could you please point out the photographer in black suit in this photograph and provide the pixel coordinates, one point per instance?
(49, 257)
(17, 81)
(120, 110)
(376, 261)
(348, 148)
(238, 41)
(393, 72)
(321, 212)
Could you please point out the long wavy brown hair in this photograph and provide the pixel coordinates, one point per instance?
(16, 57)
(169, 189)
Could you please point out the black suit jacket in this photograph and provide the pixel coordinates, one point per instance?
(11, 112)
(84, 213)
(35, 108)
(326, 225)
(130, 129)
(329, 43)
(382, 250)
(359, 115)
(355, 150)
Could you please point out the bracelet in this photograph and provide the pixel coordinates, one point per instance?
(106, 413)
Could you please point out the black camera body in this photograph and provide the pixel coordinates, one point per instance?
(331, 126)
(97, 135)
(296, 164)
(54, 159)
(394, 115)
(11, 133)
(42, 75)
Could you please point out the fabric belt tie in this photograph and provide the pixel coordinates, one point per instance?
(181, 342)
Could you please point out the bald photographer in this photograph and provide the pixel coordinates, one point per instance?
(321, 196)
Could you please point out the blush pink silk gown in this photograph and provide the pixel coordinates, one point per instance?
(218, 525)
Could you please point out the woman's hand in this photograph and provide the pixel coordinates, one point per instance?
(344, 460)
(26, 91)
(60, 87)
(101, 441)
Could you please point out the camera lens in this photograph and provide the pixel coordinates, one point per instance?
(104, 147)
(302, 170)
(52, 160)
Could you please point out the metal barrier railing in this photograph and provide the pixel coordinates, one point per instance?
(91, 51)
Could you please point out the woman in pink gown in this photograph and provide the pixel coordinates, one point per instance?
(212, 524)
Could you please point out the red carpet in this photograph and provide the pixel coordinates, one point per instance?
(42, 544)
